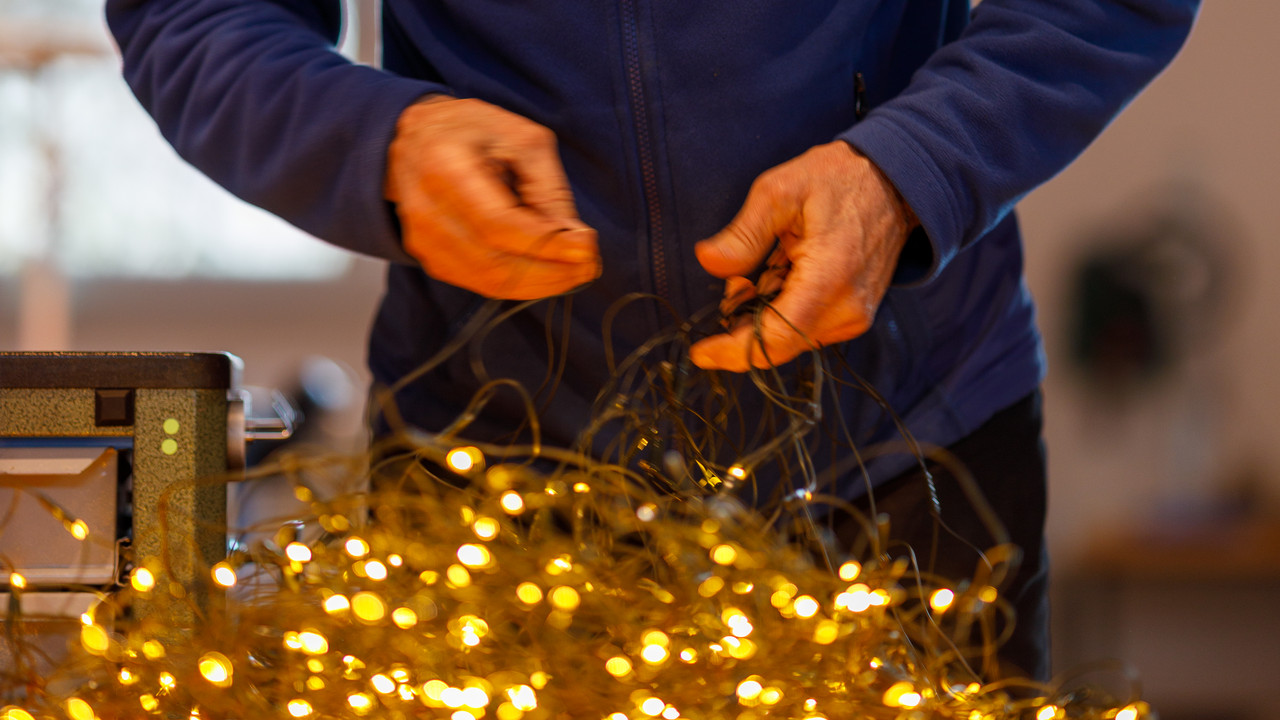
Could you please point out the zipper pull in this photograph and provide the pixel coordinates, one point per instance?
(859, 96)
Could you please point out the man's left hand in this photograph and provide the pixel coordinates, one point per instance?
(839, 226)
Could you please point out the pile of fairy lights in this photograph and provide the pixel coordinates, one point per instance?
(534, 583)
(522, 595)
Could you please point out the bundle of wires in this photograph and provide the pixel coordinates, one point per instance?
(464, 580)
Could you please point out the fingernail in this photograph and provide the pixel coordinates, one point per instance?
(577, 245)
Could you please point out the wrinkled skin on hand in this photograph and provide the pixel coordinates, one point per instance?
(832, 227)
(484, 203)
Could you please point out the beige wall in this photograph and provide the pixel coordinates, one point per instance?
(1209, 120)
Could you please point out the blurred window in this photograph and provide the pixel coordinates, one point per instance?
(88, 185)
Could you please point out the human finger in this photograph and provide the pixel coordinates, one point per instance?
(743, 244)
(478, 198)
(494, 273)
(539, 178)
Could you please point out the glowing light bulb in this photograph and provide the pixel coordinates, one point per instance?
(805, 606)
(297, 552)
(383, 684)
(298, 707)
(724, 554)
(452, 697)
(529, 593)
(1128, 712)
(655, 637)
(458, 575)
(941, 599)
(523, 698)
(78, 709)
(94, 639)
(404, 618)
(335, 604)
(564, 598)
(223, 574)
(78, 529)
(652, 707)
(826, 632)
(361, 703)
(712, 585)
(901, 694)
(142, 580)
(1048, 712)
(356, 547)
(368, 607)
(476, 556)
(654, 654)
(617, 666)
(464, 459)
(216, 668)
(433, 690)
(313, 643)
(474, 697)
(749, 689)
(512, 502)
(375, 570)
(850, 571)
(485, 528)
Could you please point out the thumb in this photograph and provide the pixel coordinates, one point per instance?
(744, 243)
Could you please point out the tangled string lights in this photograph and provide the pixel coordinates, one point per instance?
(472, 582)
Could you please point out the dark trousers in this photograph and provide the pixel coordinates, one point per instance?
(1006, 459)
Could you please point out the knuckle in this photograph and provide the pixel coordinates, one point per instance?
(769, 184)
(741, 238)
(533, 136)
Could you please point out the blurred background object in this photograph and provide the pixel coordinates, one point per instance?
(1150, 259)
(1149, 288)
(1164, 465)
(109, 241)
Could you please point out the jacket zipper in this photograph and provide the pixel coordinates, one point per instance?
(644, 145)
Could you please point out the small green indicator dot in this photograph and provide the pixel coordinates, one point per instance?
(171, 426)
(169, 446)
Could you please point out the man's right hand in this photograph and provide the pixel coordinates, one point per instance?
(484, 203)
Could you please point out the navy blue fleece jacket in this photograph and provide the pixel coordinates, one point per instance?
(665, 112)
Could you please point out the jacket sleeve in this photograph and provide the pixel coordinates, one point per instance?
(1023, 90)
(255, 96)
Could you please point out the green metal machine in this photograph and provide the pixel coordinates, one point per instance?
(130, 450)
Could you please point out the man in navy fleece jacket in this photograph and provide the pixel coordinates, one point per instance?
(521, 149)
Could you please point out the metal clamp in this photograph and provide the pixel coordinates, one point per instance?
(242, 430)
